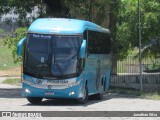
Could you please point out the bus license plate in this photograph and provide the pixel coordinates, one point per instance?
(49, 93)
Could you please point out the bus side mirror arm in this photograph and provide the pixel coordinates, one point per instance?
(20, 45)
(83, 49)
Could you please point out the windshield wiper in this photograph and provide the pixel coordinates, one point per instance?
(56, 64)
(41, 65)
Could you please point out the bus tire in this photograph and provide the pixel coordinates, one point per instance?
(34, 100)
(84, 99)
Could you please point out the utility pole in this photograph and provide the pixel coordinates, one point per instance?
(140, 53)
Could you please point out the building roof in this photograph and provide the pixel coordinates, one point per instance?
(63, 26)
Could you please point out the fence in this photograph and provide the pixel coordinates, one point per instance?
(10, 27)
(128, 74)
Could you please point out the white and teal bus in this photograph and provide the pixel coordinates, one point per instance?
(65, 58)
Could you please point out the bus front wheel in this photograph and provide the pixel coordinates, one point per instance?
(34, 100)
(84, 99)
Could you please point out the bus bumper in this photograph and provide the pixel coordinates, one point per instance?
(71, 92)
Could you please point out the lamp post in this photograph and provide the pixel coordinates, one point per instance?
(140, 54)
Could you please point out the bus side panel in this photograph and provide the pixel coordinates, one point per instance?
(90, 73)
(107, 79)
(108, 72)
(90, 77)
(105, 69)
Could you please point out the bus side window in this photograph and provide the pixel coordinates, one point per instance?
(101, 43)
(108, 43)
(105, 43)
(96, 42)
(85, 35)
(92, 42)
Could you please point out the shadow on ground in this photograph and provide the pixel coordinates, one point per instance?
(71, 102)
(10, 93)
(17, 93)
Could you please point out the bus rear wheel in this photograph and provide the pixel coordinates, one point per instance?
(84, 99)
(34, 100)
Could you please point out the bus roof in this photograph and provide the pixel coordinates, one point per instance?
(63, 26)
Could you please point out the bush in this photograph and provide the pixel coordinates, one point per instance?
(12, 41)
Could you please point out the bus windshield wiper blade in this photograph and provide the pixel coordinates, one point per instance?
(57, 65)
(41, 68)
(42, 65)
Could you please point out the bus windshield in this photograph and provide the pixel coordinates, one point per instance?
(37, 54)
(65, 54)
(52, 56)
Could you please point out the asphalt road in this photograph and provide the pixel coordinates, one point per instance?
(11, 100)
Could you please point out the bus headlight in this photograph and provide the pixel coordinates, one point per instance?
(27, 90)
(71, 93)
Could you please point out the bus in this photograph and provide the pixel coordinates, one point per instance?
(65, 58)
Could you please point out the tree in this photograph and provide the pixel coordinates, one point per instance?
(89, 10)
(92, 10)
(120, 16)
(45, 8)
(22, 8)
(127, 25)
(19, 7)
(150, 28)
(12, 41)
(56, 8)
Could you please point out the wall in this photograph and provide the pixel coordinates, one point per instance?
(151, 82)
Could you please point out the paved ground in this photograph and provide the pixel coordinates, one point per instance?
(11, 100)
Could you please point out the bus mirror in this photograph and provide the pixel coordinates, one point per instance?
(20, 45)
(83, 49)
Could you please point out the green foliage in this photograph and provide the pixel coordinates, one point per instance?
(150, 26)
(2, 31)
(12, 41)
(19, 7)
(45, 8)
(92, 10)
(127, 27)
(6, 59)
(120, 16)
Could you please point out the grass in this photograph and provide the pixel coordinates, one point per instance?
(151, 95)
(124, 91)
(12, 81)
(136, 93)
(6, 59)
